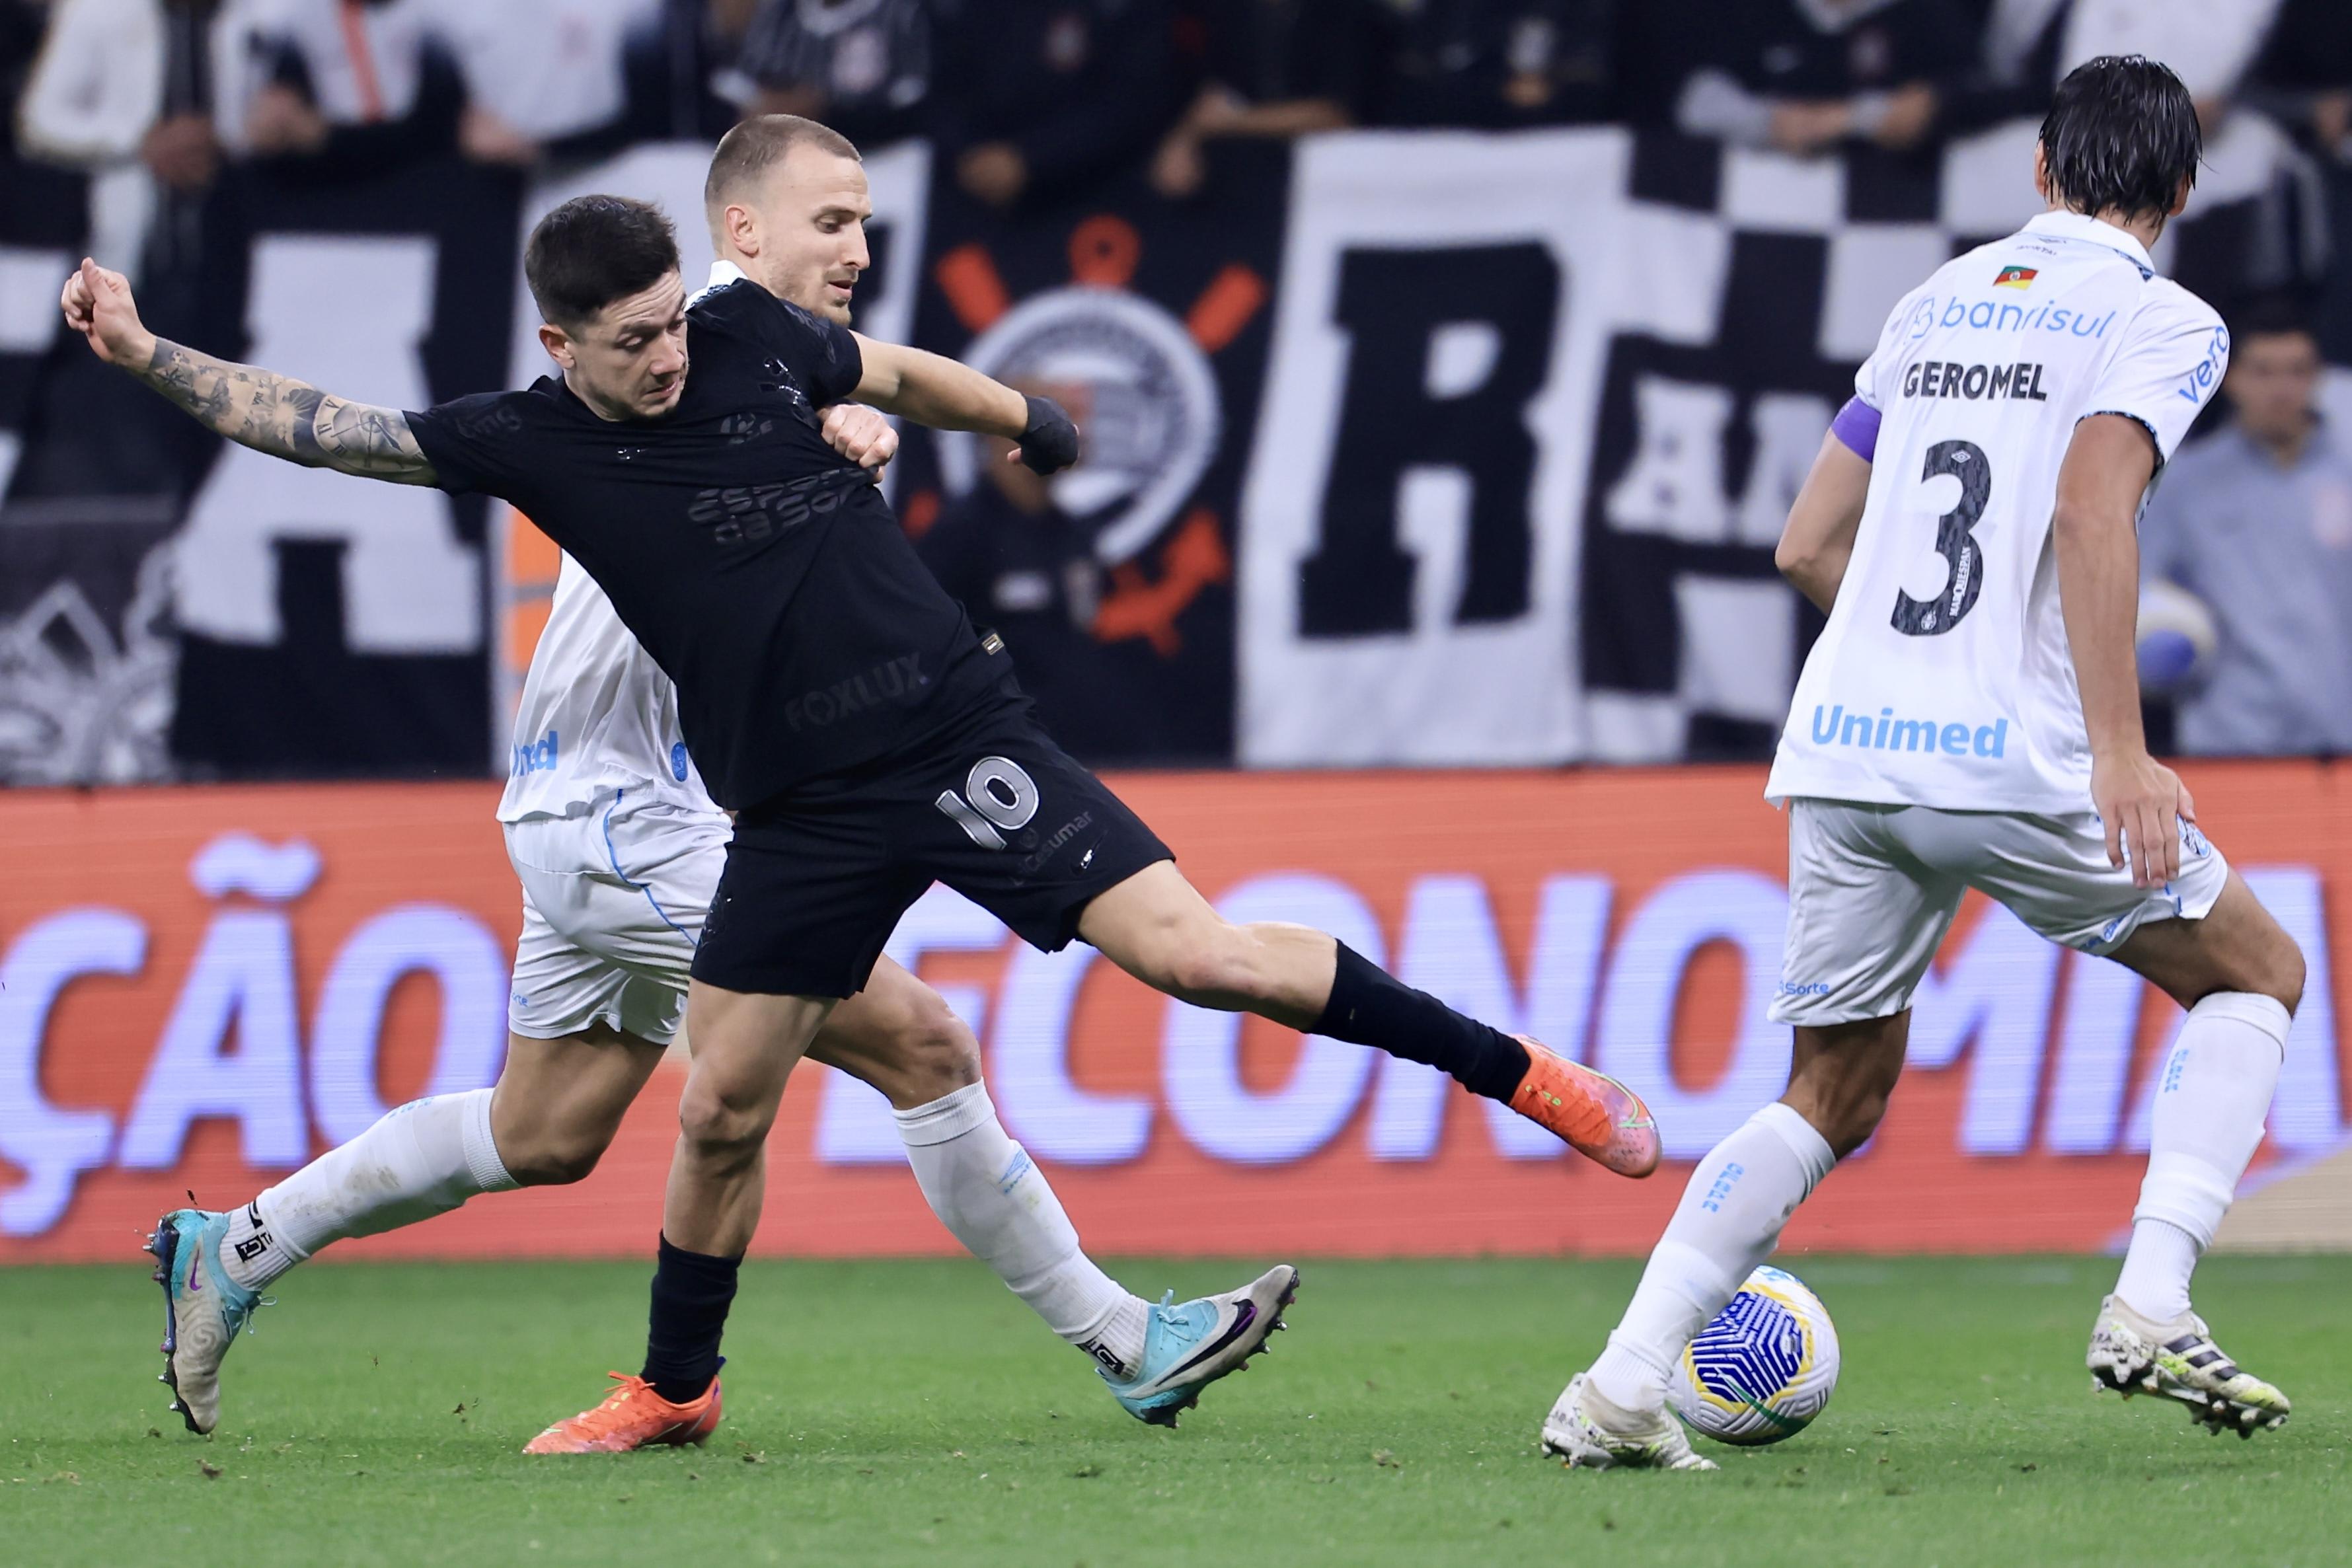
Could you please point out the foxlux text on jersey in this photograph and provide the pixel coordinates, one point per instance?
(1835, 727)
(1939, 378)
(889, 681)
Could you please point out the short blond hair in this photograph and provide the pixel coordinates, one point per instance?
(757, 145)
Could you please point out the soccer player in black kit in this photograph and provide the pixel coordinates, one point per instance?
(868, 739)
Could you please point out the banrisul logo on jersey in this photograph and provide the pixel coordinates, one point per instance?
(200, 988)
(1998, 315)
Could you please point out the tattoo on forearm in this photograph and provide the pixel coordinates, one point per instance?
(287, 418)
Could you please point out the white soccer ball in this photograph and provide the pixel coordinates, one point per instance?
(1763, 1369)
(2177, 635)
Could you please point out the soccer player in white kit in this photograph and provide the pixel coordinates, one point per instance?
(619, 849)
(1970, 718)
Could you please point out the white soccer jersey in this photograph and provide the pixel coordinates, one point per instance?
(1943, 677)
(597, 714)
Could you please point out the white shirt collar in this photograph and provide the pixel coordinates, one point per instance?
(2083, 226)
(723, 273)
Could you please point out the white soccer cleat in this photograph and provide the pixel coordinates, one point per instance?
(2132, 1354)
(1591, 1434)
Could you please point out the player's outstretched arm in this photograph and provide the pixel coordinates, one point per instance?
(1818, 540)
(256, 408)
(933, 390)
(2108, 465)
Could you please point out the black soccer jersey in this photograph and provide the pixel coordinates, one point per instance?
(759, 567)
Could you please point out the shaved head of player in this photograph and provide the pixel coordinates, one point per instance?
(787, 201)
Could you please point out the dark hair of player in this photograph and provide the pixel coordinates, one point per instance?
(2269, 316)
(2120, 136)
(592, 250)
(757, 145)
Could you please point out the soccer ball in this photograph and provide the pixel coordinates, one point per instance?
(1763, 1369)
(2177, 635)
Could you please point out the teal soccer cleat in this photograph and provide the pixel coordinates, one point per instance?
(1188, 1347)
(204, 1309)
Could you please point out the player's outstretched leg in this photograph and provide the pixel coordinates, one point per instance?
(987, 1191)
(557, 1105)
(1729, 1219)
(899, 1036)
(2241, 977)
(1157, 927)
(411, 1166)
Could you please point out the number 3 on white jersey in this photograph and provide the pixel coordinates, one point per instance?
(1964, 461)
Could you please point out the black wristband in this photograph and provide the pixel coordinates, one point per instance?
(1050, 443)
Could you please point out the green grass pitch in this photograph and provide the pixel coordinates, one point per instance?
(913, 1412)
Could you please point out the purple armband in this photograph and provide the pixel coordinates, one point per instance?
(1856, 424)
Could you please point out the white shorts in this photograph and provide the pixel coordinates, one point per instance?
(1872, 889)
(612, 905)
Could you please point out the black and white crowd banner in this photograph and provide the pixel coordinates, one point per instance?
(330, 626)
(1535, 410)
(1417, 448)
(1408, 538)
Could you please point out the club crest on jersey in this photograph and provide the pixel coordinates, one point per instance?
(2015, 278)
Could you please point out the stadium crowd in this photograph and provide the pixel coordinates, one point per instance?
(1032, 95)
(138, 108)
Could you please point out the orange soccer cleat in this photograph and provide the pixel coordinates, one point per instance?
(1598, 1117)
(631, 1416)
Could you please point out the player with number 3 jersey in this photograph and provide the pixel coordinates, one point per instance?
(1970, 719)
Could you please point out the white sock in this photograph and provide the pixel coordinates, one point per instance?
(1728, 1222)
(992, 1196)
(2207, 1123)
(423, 1159)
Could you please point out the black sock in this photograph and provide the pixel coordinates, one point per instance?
(1370, 1006)
(692, 1292)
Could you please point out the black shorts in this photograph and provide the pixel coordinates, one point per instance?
(996, 811)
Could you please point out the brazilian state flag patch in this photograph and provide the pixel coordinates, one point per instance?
(2015, 278)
